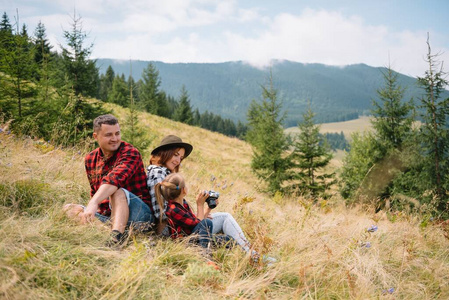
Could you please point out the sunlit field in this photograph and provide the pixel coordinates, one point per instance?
(348, 127)
(324, 250)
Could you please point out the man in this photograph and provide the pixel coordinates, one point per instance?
(117, 179)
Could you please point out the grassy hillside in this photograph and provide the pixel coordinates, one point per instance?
(325, 251)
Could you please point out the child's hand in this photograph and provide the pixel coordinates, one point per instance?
(201, 198)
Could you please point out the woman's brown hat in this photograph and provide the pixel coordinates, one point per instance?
(172, 141)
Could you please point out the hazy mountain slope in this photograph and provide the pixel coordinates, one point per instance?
(336, 93)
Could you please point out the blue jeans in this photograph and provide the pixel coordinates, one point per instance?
(139, 211)
(204, 231)
(225, 222)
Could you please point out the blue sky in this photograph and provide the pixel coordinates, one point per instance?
(333, 32)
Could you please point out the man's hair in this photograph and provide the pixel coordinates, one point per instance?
(104, 119)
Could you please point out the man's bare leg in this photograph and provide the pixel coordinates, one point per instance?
(119, 211)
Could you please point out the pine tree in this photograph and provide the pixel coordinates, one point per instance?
(241, 130)
(434, 132)
(357, 164)
(266, 135)
(119, 93)
(197, 118)
(376, 160)
(41, 44)
(5, 34)
(151, 99)
(133, 133)
(311, 156)
(43, 60)
(393, 119)
(184, 112)
(16, 60)
(80, 70)
(106, 81)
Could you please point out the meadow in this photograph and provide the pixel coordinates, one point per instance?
(325, 250)
(361, 124)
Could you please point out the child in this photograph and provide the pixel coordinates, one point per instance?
(184, 222)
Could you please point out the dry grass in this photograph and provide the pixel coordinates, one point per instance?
(348, 127)
(322, 249)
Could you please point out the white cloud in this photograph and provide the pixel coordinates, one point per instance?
(330, 38)
(221, 30)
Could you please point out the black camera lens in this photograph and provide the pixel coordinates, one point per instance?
(211, 200)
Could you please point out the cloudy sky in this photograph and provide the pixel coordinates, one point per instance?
(333, 32)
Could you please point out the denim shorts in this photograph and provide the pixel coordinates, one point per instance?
(139, 211)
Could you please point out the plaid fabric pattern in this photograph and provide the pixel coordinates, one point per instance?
(155, 175)
(181, 219)
(124, 169)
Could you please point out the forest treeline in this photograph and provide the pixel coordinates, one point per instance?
(45, 92)
(336, 93)
(402, 164)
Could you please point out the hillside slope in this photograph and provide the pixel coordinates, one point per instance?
(324, 251)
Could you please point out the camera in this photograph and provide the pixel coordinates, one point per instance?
(211, 200)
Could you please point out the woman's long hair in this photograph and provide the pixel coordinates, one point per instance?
(163, 156)
(170, 188)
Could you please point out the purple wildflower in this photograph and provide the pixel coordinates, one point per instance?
(372, 228)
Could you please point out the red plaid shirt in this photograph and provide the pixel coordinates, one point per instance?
(124, 169)
(181, 219)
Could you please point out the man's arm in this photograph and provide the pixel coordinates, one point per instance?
(105, 191)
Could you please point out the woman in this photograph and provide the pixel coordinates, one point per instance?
(166, 159)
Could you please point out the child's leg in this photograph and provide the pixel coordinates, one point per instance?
(204, 231)
(225, 222)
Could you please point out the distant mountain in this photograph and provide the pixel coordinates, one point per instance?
(227, 89)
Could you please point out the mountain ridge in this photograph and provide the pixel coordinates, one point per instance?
(336, 93)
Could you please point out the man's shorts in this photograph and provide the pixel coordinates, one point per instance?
(139, 211)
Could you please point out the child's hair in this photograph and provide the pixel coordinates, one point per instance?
(170, 188)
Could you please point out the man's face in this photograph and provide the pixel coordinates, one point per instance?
(108, 138)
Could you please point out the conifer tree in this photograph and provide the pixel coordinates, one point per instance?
(5, 34)
(266, 135)
(184, 112)
(43, 60)
(133, 133)
(119, 93)
(376, 159)
(80, 70)
(16, 60)
(41, 44)
(106, 81)
(311, 156)
(434, 133)
(197, 118)
(392, 119)
(151, 99)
